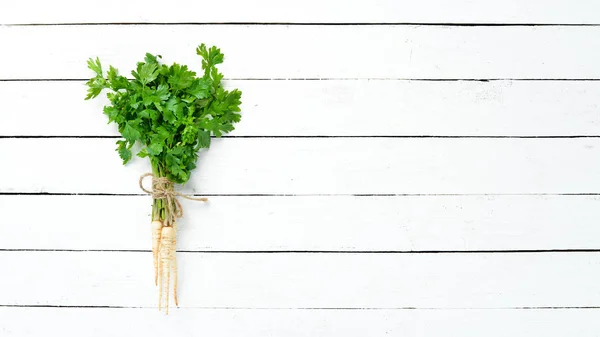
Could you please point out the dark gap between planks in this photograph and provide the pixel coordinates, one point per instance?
(507, 251)
(332, 136)
(306, 195)
(297, 308)
(242, 23)
(340, 79)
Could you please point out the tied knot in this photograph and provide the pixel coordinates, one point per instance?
(163, 188)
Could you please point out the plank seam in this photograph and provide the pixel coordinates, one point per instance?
(491, 79)
(507, 251)
(325, 137)
(298, 308)
(249, 23)
(307, 195)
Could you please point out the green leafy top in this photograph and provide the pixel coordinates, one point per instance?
(168, 109)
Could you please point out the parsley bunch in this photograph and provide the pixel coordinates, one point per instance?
(172, 114)
(170, 111)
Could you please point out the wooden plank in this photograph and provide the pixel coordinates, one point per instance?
(428, 52)
(376, 11)
(70, 322)
(340, 108)
(333, 223)
(306, 280)
(318, 166)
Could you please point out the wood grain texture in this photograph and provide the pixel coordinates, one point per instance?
(299, 323)
(319, 166)
(334, 223)
(340, 108)
(376, 11)
(422, 52)
(306, 280)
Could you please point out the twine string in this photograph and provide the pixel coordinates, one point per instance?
(163, 188)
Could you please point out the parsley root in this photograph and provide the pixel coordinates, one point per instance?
(172, 114)
(167, 264)
(156, 231)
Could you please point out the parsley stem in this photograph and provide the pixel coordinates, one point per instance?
(158, 205)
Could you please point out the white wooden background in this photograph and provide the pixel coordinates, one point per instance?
(402, 168)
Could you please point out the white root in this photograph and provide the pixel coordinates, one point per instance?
(167, 263)
(156, 233)
(174, 263)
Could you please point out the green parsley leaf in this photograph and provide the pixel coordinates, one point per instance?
(146, 72)
(95, 66)
(168, 110)
(200, 88)
(124, 152)
(130, 132)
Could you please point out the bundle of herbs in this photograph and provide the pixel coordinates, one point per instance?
(172, 113)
